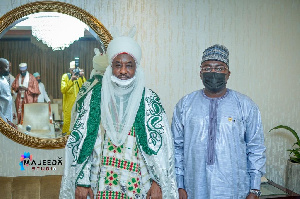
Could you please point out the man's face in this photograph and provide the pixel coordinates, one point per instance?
(23, 72)
(4, 69)
(38, 79)
(71, 71)
(215, 66)
(123, 66)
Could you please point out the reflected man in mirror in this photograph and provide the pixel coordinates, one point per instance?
(218, 135)
(130, 155)
(43, 97)
(27, 89)
(70, 85)
(5, 92)
(10, 79)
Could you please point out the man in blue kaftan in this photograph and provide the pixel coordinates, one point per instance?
(218, 136)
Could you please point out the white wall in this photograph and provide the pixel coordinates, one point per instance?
(263, 40)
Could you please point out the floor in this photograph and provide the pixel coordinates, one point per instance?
(269, 190)
(272, 190)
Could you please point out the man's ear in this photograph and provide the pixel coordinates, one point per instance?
(200, 75)
(228, 74)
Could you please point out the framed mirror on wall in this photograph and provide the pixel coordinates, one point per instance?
(19, 44)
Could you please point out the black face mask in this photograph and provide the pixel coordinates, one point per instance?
(39, 81)
(214, 82)
(5, 73)
(23, 74)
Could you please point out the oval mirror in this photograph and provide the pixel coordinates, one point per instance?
(20, 42)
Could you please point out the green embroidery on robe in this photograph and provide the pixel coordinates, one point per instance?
(111, 178)
(92, 124)
(134, 185)
(153, 124)
(76, 135)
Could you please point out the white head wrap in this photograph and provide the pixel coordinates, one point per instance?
(124, 45)
(22, 66)
(72, 64)
(119, 103)
(100, 62)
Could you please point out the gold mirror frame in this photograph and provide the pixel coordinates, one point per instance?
(47, 6)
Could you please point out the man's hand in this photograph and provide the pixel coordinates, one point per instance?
(83, 192)
(22, 88)
(74, 77)
(182, 194)
(11, 124)
(81, 73)
(252, 196)
(154, 191)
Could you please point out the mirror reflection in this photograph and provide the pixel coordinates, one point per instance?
(50, 57)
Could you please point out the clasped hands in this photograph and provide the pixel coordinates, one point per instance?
(22, 88)
(74, 77)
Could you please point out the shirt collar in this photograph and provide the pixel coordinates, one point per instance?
(217, 98)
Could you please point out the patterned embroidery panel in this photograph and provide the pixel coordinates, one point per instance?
(123, 172)
(111, 195)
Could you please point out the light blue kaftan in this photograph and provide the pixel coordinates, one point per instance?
(219, 145)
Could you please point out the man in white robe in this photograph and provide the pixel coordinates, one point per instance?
(10, 79)
(132, 156)
(43, 97)
(5, 92)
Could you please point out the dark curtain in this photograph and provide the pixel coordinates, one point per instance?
(50, 64)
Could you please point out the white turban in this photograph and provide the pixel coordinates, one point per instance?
(117, 123)
(23, 66)
(124, 44)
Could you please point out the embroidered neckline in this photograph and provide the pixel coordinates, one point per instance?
(216, 98)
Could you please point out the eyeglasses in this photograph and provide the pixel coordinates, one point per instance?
(218, 69)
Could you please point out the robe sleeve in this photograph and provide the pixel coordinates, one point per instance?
(1, 105)
(81, 81)
(33, 87)
(84, 176)
(15, 84)
(46, 97)
(177, 129)
(256, 157)
(66, 84)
